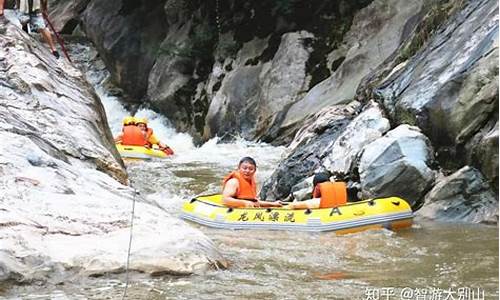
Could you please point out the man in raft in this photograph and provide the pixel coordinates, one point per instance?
(326, 194)
(240, 189)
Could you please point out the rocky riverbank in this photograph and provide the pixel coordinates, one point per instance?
(65, 205)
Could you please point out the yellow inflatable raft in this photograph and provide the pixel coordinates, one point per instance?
(391, 213)
(139, 152)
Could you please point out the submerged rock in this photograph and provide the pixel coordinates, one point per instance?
(63, 209)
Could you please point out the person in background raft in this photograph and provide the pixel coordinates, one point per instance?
(135, 132)
(326, 194)
(131, 134)
(1, 7)
(151, 139)
(239, 188)
(30, 12)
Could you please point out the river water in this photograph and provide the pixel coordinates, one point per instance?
(431, 260)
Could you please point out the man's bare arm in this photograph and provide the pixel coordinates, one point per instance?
(1, 7)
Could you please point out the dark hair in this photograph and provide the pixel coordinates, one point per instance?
(247, 159)
(320, 177)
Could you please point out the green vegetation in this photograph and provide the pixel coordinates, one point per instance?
(406, 117)
(285, 7)
(437, 15)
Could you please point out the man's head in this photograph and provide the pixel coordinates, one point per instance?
(247, 167)
(320, 177)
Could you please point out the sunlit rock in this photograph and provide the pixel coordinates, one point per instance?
(364, 129)
(398, 164)
(462, 196)
(63, 209)
(326, 145)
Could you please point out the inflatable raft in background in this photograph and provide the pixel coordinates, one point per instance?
(140, 152)
(392, 213)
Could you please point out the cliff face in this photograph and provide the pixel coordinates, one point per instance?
(303, 73)
(128, 35)
(186, 58)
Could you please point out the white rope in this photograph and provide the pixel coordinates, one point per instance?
(129, 241)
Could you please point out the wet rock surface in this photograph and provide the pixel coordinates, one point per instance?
(462, 196)
(64, 208)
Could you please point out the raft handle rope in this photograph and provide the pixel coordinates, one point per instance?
(130, 240)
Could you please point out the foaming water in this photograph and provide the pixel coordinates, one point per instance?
(163, 129)
(287, 265)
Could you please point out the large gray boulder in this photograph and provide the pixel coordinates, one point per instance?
(462, 196)
(63, 209)
(175, 56)
(450, 88)
(398, 164)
